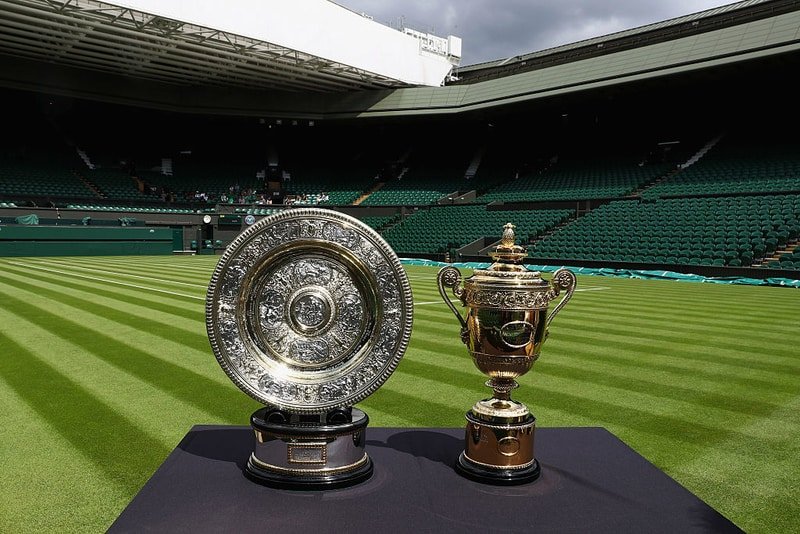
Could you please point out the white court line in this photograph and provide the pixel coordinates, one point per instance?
(69, 265)
(597, 288)
(106, 280)
(156, 265)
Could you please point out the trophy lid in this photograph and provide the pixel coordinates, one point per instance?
(507, 267)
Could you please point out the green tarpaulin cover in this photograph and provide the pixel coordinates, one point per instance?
(27, 219)
(627, 273)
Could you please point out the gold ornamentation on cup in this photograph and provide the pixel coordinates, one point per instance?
(506, 324)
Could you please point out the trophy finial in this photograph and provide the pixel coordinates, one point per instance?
(508, 235)
(507, 252)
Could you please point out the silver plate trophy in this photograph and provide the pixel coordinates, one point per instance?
(309, 311)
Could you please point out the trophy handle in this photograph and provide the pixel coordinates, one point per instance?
(451, 277)
(563, 279)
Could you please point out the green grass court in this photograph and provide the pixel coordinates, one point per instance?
(105, 366)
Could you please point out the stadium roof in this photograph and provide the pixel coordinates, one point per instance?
(695, 23)
(226, 44)
(753, 35)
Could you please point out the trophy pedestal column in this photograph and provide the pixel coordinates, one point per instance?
(294, 453)
(499, 444)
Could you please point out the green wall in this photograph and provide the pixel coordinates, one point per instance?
(83, 241)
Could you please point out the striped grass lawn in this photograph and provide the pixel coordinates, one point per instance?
(105, 365)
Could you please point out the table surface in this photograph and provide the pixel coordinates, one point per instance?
(591, 482)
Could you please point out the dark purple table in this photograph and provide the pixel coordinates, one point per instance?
(591, 482)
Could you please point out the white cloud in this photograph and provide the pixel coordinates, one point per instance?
(493, 29)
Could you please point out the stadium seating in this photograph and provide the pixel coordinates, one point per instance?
(378, 222)
(40, 179)
(701, 231)
(426, 177)
(739, 164)
(441, 228)
(719, 220)
(115, 184)
(207, 175)
(340, 186)
(590, 179)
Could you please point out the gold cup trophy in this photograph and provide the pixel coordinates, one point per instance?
(507, 324)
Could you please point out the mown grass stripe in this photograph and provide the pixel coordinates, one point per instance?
(662, 313)
(778, 507)
(732, 309)
(200, 278)
(124, 275)
(392, 399)
(222, 401)
(195, 312)
(191, 339)
(665, 362)
(645, 334)
(653, 391)
(190, 265)
(656, 331)
(106, 280)
(177, 273)
(684, 393)
(135, 281)
(698, 378)
(646, 315)
(155, 412)
(687, 304)
(119, 449)
(680, 349)
(664, 425)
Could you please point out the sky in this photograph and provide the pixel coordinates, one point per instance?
(495, 29)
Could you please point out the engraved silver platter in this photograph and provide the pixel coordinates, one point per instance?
(309, 310)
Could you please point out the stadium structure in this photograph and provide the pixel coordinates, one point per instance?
(148, 127)
(141, 137)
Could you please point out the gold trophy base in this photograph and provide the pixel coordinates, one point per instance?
(499, 444)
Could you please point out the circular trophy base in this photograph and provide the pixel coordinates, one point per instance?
(498, 477)
(308, 482)
(309, 452)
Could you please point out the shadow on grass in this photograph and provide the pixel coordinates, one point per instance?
(117, 447)
(226, 403)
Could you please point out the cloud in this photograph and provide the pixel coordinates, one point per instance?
(494, 29)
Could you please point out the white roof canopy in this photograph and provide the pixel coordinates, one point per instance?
(305, 45)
